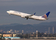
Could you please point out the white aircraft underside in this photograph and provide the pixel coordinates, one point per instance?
(27, 16)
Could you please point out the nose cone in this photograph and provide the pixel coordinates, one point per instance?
(7, 11)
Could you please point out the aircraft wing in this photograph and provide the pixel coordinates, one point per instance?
(29, 16)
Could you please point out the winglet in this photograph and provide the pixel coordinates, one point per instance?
(34, 13)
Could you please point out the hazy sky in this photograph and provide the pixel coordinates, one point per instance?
(28, 6)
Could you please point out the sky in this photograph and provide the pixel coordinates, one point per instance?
(41, 7)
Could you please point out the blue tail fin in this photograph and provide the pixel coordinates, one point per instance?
(47, 14)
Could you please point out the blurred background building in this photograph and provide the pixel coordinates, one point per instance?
(7, 35)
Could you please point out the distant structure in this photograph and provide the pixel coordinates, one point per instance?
(14, 35)
(33, 32)
(7, 35)
(53, 30)
(11, 30)
(22, 32)
(49, 30)
(36, 33)
(45, 32)
(15, 31)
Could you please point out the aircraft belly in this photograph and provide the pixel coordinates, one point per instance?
(33, 17)
(37, 18)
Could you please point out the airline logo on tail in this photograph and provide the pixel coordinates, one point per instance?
(46, 15)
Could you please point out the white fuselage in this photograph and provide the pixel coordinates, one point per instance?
(23, 15)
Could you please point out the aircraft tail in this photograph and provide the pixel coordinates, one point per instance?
(46, 15)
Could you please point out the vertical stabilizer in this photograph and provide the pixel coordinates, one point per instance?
(46, 15)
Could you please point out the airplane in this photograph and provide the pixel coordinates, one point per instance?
(29, 16)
